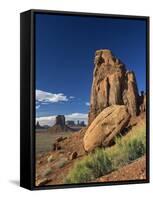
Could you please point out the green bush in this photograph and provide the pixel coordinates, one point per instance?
(103, 161)
(99, 162)
(130, 147)
(47, 172)
(93, 166)
(84, 175)
(61, 163)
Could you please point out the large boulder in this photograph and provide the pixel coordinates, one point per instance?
(112, 85)
(110, 122)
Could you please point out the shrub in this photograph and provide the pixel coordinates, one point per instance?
(84, 175)
(130, 147)
(61, 163)
(47, 172)
(103, 161)
(93, 166)
(99, 162)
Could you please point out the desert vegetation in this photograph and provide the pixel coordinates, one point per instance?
(103, 161)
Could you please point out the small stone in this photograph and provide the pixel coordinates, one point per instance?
(42, 182)
(73, 155)
(39, 162)
(59, 139)
(50, 158)
(61, 151)
(56, 146)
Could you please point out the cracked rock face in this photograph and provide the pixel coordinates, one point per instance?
(112, 85)
(102, 131)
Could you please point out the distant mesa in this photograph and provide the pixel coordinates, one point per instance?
(40, 128)
(81, 123)
(38, 125)
(60, 125)
(72, 123)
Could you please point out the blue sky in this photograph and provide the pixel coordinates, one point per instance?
(65, 48)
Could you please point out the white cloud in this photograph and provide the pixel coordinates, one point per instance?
(45, 103)
(71, 97)
(42, 96)
(37, 107)
(77, 116)
(50, 120)
(87, 104)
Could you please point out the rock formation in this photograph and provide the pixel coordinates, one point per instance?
(38, 126)
(142, 102)
(111, 121)
(112, 85)
(70, 123)
(59, 125)
(60, 120)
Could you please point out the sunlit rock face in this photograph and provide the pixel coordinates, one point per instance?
(112, 84)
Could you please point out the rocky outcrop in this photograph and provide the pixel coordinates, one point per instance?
(38, 125)
(110, 122)
(60, 120)
(60, 125)
(112, 85)
(142, 102)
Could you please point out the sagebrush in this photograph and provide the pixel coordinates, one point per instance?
(103, 161)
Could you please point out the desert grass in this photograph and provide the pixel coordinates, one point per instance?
(61, 163)
(47, 172)
(104, 161)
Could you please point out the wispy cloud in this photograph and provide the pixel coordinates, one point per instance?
(71, 97)
(47, 97)
(87, 104)
(45, 103)
(50, 120)
(37, 107)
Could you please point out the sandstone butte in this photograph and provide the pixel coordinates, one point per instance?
(59, 125)
(114, 99)
(112, 84)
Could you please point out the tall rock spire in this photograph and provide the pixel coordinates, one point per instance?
(112, 85)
